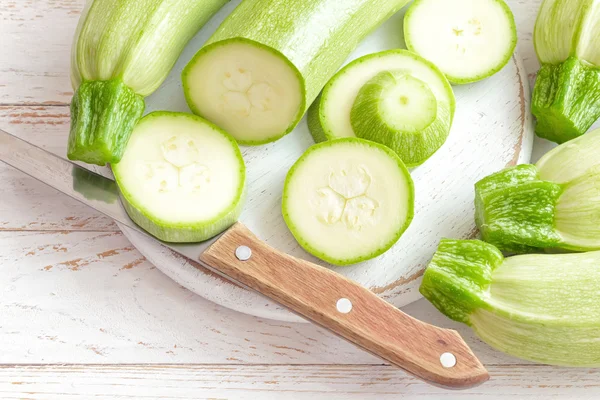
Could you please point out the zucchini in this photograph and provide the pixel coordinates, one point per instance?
(538, 307)
(394, 97)
(553, 204)
(468, 40)
(348, 200)
(566, 95)
(123, 50)
(181, 178)
(269, 59)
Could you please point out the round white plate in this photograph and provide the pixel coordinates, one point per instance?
(492, 129)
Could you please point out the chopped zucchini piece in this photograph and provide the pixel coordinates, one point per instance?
(348, 200)
(181, 178)
(395, 98)
(469, 40)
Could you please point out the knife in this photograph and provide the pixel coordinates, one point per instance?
(340, 305)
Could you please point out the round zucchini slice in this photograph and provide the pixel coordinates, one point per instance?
(348, 200)
(468, 40)
(181, 178)
(248, 89)
(395, 98)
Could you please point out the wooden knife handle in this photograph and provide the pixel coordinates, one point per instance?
(347, 309)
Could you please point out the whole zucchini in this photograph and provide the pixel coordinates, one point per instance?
(123, 50)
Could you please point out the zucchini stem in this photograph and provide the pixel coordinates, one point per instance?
(103, 114)
(566, 99)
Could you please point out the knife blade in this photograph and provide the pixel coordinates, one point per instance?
(99, 192)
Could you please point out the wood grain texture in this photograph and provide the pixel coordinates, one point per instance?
(372, 323)
(281, 382)
(26, 204)
(88, 297)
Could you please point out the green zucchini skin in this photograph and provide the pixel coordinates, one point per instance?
(458, 275)
(515, 210)
(314, 36)
(414, 148)
(566, 99)
(538, 307)
(313, 119)
(103, 114)
(123, 51)
(183, 234)
(566, 95)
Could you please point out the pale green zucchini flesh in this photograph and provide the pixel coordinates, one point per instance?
(394, 97)
(270, 58)
(468, 40)
(348, 200)
(538, 307)
(181, 178)
(122, 51)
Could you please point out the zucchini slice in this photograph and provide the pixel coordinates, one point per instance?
(348, 200)
(269, 59)
(181, 178)
(394, 97)
(468, 40)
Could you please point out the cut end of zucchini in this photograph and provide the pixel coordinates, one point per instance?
(246, 88)
(515, 210)
(468, 40)
(348, 200)
(395, 98)
(458, 276)
(405, 103)
(103, 114)
(181, 178)
(565, 99)
(401, 112)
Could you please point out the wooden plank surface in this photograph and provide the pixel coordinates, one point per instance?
(281, 382)
(74, 291)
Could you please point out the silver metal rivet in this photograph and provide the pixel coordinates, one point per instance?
(448, 360)
(344, 305)
(243, 253)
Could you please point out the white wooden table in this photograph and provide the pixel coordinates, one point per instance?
(83, 315)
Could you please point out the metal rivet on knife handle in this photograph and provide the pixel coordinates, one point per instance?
(243, 253)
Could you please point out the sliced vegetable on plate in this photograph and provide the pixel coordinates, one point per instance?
(553, 204)
(394, 97)
(566, 96)
(269, 59)
(348, 200)
(123, 50)
(538, 307)
(181, 178)
(468, 40)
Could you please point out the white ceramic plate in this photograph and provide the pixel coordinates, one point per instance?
(492, 129)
